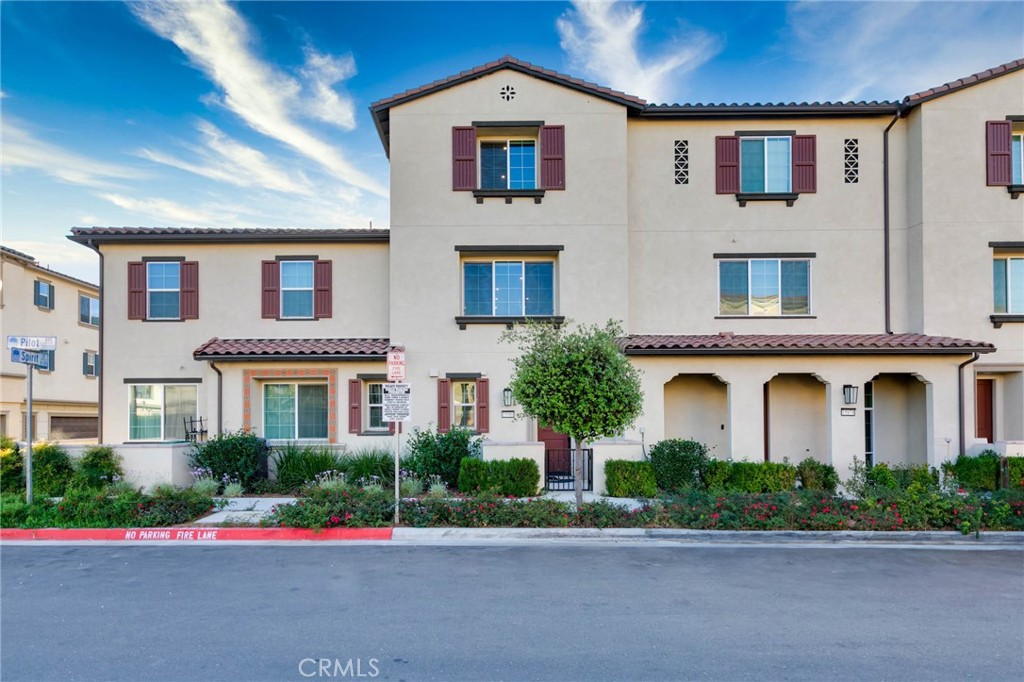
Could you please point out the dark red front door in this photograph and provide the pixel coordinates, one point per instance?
(983, 410)
(557, 451)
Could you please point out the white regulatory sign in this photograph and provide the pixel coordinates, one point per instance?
(32, 342)
(397, 402)
(396, 365)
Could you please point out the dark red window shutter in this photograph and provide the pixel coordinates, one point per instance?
(391, 427)
(444, 410)
(190, 290)
(998, 151)
(355, 405)
(137, 291)
(805, 173)
(552, 157)
(727, 165)
(322, 289)
(463, 158)
(483, 405)
(271, 290)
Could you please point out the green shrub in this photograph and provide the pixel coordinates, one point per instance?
(12, 472)
(908, 474)
(206, 486)
(1016, 467)
(97, 468)
(716, 475)
(813, 475)
(518, 477)
(630, 479)
(678, 464)
(881, 476)
(977, 474)
(326, 508)
(761, 477)
(370, 465)
(239, 455)
(297, 464)
(52, 470)
(441, 454)
(167, 506)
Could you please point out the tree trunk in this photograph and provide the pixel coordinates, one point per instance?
(577, 482)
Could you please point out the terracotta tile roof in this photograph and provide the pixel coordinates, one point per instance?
(206, 234)
(961, 83)
(292, 349)
(507, 62)
(771, 344)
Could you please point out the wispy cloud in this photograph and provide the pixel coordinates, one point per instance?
(22, 149)
(603, 41)
(885, 50)
(218, 42)
(62, 256)
(171, 212)
(227, 160)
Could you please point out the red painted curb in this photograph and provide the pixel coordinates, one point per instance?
(193, 534)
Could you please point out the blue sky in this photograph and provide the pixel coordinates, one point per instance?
(255, 114)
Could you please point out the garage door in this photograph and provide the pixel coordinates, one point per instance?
(67, 428)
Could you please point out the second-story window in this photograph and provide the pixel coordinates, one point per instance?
(163, 290)
(765, 164)
(1017, 159)
(508, 164)
(159, 289)
(88, 310)
(507, 288)
(43, 294)
(510, 156)
(1008, 286)
(297, 289)
(764, 287)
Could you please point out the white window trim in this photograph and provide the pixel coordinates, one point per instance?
(456, 404)
(1009, 284)
(45, 291)
(494, 298)
(149, 290)
(295, 412)
(1020, 162)
(163, 406)
(765, 138)
(89, 321)
(385, 426)
(748, 261)
(311, 289)
(508, 159)
(92, 356)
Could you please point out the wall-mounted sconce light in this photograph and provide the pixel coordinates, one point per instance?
(506, 397)
(850, 394)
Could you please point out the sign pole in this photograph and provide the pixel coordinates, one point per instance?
(28, 434)
(398, 495)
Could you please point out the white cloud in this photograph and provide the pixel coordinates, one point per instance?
(170, 212)
(62, 256)
(227, 160)
(22, 149)
(886, 50)
(322, 72)
(218, 42)
(602, 40)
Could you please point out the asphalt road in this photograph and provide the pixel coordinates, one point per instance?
(509, 613)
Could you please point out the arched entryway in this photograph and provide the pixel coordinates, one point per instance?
(697, 408)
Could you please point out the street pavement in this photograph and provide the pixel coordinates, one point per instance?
(525, 611)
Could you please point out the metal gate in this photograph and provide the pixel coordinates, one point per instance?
(559, 472)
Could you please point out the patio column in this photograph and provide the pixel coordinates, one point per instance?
(746, 414)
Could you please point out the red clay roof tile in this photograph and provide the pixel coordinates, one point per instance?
(727, 343)
(270, 349)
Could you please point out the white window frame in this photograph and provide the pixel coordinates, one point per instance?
(295, 413)
(507, 141)
(870, 426)
(764, 139)
(748, 261)
(150, 290)
(311, 289)
(494, 299)
(92, 363)
(91, 299)
(455, 405)
(1019, 136)
(1010, 300)
(163, 408)
(368, 426)
(46, 294)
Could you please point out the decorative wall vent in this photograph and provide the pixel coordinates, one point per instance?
(851, 160)
(507, 93)
(682, 162)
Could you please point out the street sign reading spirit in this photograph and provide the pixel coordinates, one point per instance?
(32, 342)
(397, 403)
(28, 357)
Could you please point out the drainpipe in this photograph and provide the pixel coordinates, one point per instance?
(963, 436)
(885, 221)
(220, 398)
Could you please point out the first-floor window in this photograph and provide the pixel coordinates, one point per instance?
(294, 411)
(464, 403)
(159, 411)
(508, 288)
(1008, 285)
(869, 423)
(375, 407)
(764, 287)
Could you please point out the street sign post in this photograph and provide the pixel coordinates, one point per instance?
(397, 408)
(28, 350)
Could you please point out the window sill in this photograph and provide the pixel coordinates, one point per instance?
(509, 322)
(378, 434)
(44, 308)
(508, 194)
(1015, 190)
(163, 319)
(788, 197)
(1001, 319)
(766, 317)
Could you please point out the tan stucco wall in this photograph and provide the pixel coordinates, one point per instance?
(798, 418)
(900, 423)
(697, 408)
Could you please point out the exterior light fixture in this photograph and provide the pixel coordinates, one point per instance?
(850, 394)
(506, 397)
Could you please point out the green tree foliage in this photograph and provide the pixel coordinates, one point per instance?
(577, 382)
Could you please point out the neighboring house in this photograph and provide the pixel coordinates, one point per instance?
(37, 301)
(827, 280)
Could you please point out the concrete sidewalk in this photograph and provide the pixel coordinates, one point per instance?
(243, 511)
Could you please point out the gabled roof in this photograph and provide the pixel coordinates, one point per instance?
(961, 83)
(800, 344)
(31, 263)
(292, 349)
(103, 235)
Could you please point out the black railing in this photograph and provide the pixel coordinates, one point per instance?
(560, 474)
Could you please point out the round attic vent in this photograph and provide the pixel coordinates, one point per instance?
(508, 93)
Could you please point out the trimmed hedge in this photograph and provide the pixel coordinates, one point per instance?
(98, 467)
(813, 475)
(441, 454)
(517, 477)
(979, 473)
(630, 479)
(240, 455)
(761, 477)
(52, 470)
(678, 464)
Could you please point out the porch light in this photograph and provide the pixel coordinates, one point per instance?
(506, 397)
(850, 394)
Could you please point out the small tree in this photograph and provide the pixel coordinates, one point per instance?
(577, 382)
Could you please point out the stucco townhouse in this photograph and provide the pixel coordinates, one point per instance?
(38, 301)
(828, 280)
